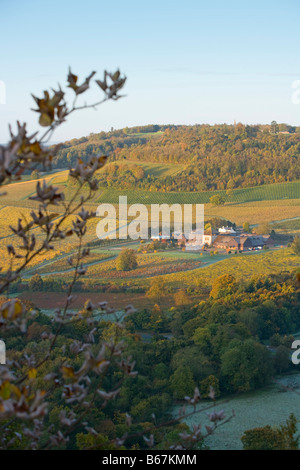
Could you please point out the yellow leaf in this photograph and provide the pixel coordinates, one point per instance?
(35, 148)
(16, 391)
(5, 391)
(12, 309)
(32, 373)
(45, 120)
(68, 372)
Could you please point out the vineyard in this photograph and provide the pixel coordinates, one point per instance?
(152, 169)
(61, 264)
(149, 265)
(269, 192)
(241, 266)
(10, 216)
(180, 269)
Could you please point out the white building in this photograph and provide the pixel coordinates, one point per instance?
(227, 230)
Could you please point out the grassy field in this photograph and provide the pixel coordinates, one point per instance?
(241, 266)
(256, 212)
(115, 300)
(288, 226)
(61, 264)
(251, 410)
(10, 216)
(149, 265)
(18, 193)
(153, 169)
(152, 134)
(270, 192)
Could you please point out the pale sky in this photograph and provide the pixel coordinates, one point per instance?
(187, 62)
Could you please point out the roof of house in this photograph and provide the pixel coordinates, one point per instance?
(256, 240)
(226, 240)
(252, 240)
(226, 230)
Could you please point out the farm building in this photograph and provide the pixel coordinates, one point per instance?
(191, 239)
(243, 242)
(227, 242)
(227, 230)
(209, 236)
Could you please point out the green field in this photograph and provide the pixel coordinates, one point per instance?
(149, 265)
(241, 266)
(18, 192)
(153, 169)
(251, 410)
(270, 192)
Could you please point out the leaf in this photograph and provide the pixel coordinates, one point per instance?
(16, 391)
(45, 120)
(35, 148)
(5, 390)
(12, 309)
(68, 372)
(32, 373)
(102, 85)
(116, 75)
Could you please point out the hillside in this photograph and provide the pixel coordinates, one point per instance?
(190, 158)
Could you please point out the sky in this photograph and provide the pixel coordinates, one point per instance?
(186, 62)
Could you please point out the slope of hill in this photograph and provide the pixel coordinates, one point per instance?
(204, 157)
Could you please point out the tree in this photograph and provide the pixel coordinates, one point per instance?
(202, 337)
(246, 227)
(229, 193)
(182, 382)
(246, 366)
(283, 437)
(36, 283)
(223, 285)
(230, 184)
(274, 128)
(282, 359)
(181, 298)
(217, 200)
(156, 322)
(157, 290)
(201, 186)
(35, 175)
(295, 246)
(210, 382)
(263, 229)
(127, 260)
(264, 438)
